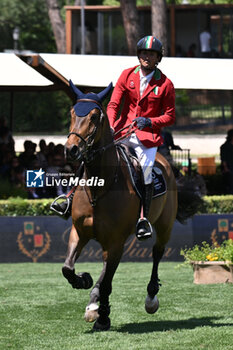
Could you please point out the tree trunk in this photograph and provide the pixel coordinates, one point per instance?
(159, 21)
(58, 25)
(131, 24)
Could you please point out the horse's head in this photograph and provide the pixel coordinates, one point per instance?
(87, 117)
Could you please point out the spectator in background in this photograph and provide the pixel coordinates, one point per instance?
(6, 136)
(226, 156)
(7, 148)
(192, 50)
(51, 147)
(59, 150)
(15, 169)
(42, 154)
(179, 51)
(28, 156)
(205, 43)
(56, 164)
(5, 166)
(168, 145)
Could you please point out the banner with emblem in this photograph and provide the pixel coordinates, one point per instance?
(45, 239)
(213, 228)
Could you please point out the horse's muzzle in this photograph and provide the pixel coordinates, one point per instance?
(72, 153)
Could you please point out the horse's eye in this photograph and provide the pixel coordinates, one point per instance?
(94, 117)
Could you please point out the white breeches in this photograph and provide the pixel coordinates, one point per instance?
(146, 156)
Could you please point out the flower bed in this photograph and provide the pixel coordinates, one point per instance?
(211, 272)
(211, 264)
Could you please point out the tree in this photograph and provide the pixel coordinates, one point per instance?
(131, 24)
(31, 17)
(159, 21)
(58, 25)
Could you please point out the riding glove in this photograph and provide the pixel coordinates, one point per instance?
(143, 122)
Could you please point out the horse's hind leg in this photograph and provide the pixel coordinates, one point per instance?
(75, 246)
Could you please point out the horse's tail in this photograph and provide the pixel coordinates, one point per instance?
(189, 199)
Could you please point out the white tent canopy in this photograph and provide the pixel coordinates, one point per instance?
(14, 72)
(99, 71)
(185, 73)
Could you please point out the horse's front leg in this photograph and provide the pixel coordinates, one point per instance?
(163, 233)
(82, 280)
(152, 302)
(91, 313)
(112, 258)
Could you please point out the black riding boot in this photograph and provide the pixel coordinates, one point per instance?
(63, 208)
(144, 229)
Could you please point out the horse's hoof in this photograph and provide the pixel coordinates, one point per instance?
(102, 326)
(151, 304)
(82, 280)
(87, 281)
(68, 273)
(91, 313)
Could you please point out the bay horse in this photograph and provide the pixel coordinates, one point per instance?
(109, 213)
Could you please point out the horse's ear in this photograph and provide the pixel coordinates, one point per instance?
(105, 92)
(75, 90)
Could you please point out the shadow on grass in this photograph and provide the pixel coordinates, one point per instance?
(162, 326)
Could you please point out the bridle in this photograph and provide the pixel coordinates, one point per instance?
(88, 153)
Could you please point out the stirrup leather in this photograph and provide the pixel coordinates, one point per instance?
(53, 205)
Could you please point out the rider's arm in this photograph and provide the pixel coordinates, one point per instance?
(168, 107)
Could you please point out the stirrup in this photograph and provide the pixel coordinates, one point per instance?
(147, 234)
(54, 204)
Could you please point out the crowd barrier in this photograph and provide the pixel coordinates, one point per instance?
(45, 239)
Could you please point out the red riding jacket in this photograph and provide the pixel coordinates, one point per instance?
(156, 103)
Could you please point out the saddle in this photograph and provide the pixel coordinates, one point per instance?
(136, 175)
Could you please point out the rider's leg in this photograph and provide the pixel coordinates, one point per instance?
(144, 229)
(146, 157)
(64, 208)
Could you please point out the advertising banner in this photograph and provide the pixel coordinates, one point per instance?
(45, 239)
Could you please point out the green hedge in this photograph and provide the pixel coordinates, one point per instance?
(217, 205)
(26, 207)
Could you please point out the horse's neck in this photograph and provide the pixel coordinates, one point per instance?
(106, 161)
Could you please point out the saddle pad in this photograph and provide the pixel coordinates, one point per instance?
(160, 186)
(137, 176)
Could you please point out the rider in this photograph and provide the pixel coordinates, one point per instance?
(147, 97)
(149, 100)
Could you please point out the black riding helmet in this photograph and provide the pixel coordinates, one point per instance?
(150, 43)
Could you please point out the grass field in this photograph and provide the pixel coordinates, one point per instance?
(39, 310)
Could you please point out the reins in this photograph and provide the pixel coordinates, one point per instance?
(131, 129)
(115, 142)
